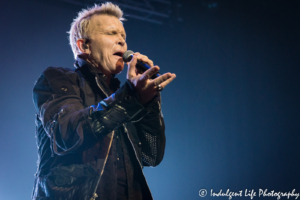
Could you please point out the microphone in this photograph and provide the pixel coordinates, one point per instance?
(127, 56)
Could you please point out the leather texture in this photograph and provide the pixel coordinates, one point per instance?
(75, 125)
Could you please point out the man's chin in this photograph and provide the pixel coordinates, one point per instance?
(119, 66)
(119, 69)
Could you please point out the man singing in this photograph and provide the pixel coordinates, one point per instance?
(93, 136)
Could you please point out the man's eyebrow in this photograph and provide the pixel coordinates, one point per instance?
(113, 28)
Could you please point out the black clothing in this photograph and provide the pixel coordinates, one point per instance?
(77, 125)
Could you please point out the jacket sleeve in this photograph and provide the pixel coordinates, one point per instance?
(151, 130)
(67, 122)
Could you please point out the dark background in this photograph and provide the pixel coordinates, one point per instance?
(232, 113)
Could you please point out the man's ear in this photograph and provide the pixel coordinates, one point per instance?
(83, 46)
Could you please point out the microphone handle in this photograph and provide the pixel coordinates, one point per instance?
(144, 67)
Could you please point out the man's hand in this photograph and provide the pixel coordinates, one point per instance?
(146, 87)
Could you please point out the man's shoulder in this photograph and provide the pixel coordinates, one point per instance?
(55, 76)
(56, 81)
(58, 72)
(58, 75)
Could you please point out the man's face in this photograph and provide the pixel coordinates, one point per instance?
(107, 43)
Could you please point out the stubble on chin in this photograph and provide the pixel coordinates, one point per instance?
(119, 66)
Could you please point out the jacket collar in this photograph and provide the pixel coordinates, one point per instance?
(86, 67)
(91, 72)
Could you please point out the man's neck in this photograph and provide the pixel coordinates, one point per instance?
(107, 75)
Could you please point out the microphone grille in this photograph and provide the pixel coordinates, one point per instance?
(127, 56)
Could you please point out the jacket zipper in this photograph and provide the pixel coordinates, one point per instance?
(104, 163)
(95, 195)
(109, 147)
(100, 87)
(137, 159)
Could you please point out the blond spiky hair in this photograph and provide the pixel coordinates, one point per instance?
(79, 27)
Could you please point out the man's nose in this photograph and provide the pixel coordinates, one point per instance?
(121, 41)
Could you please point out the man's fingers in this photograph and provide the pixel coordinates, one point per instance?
(145, 59)
(131, 67)
(149, 73)
(163, 80)
(169, 80)
(138, 71)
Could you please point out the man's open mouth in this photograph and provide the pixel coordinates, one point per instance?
(118, 54)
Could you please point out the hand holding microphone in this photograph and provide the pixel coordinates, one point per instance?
(142, 66)
(148, 82)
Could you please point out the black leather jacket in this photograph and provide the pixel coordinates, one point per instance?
(76, 122)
